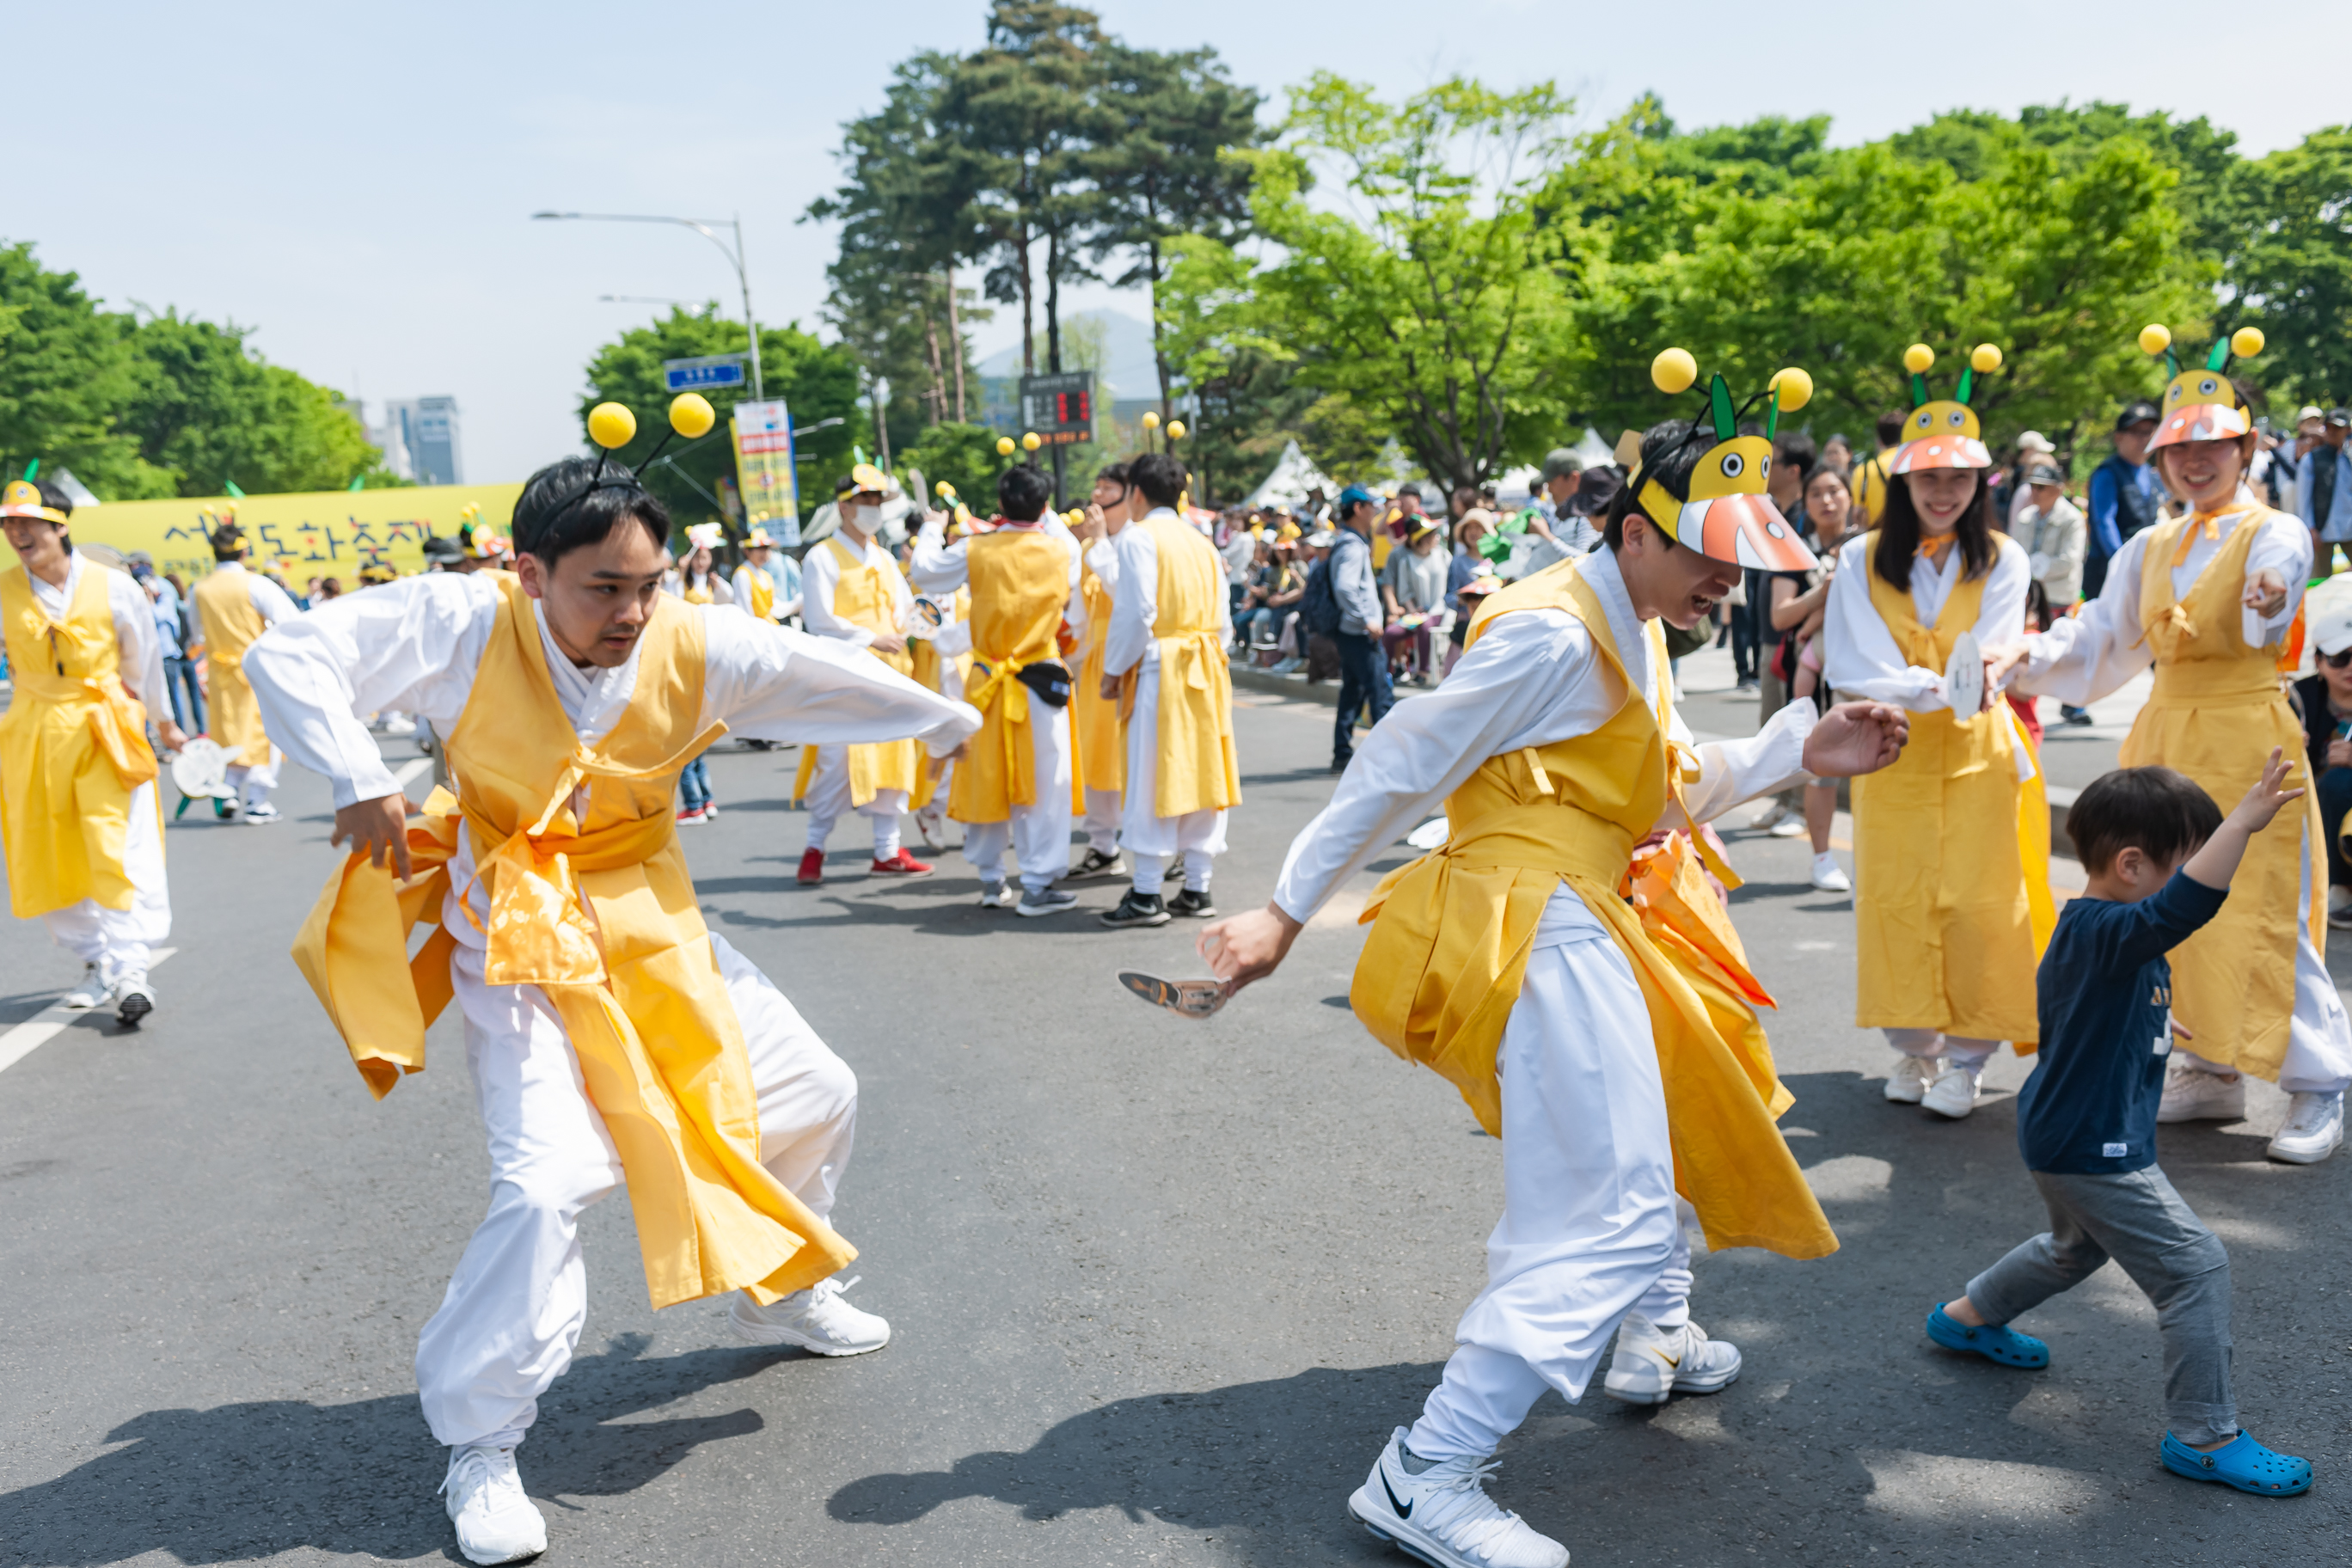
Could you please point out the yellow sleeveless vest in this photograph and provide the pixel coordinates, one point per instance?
(599, 912)
(1020, 587)
(760, 591)
(73, 747)
(1452, 933)
(1197, 771)
(1952, 855)
(1098, 733)
(863, 598)
(231, 624)
(2217, 710)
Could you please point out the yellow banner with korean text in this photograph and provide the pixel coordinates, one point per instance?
(321, 534)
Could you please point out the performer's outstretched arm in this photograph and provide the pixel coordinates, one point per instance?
(768, 682)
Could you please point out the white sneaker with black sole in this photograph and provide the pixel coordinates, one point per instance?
(817, 1319)
(1444, 1517)
(93, 991)
(1651, 1363)
(496, 1523)
(1036, 902)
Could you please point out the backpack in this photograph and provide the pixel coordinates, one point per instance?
(1318, 607)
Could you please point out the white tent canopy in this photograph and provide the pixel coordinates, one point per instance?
(1293, 475)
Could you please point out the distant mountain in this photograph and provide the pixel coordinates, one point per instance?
(1127, 351)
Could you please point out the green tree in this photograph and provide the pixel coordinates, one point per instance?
(964, 455)
(65, 371)
(212, 413)
(2288, 268)
(816, 380)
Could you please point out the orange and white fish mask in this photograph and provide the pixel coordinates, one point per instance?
(1943, 433)
(2203, 403)
(1727, 515)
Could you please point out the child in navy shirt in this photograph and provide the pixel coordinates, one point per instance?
(2158, 858)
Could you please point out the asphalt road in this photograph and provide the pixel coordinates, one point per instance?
(1160, 1290)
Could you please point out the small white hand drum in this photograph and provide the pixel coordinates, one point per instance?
(1964, 682)
(1430, 834)
(201, 770)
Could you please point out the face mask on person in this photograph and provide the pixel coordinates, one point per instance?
(866, 519)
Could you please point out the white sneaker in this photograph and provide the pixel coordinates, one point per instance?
(1907, 1084)
(260, 812)
(817, 1319)
(93, 991)
(1652, 1362)
(1791, 827)
(1770, 818)
(1954, 1091)
(2192, 1094)
(2314, 1127)
(496, 1523)
(1444, 1517)
(133, 998)
(1829, 877)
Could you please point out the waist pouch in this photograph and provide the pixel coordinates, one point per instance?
(1048, 681)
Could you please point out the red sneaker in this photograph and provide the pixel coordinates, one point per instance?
(687, 815)
(812, 867)
(901, 865)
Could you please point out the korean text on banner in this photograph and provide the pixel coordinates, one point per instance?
(323, 533)
(764, 467)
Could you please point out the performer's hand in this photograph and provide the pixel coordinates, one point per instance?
(1856, 738)
(1110, 688)
(2266, 592)
(889, 642)
(1245, 947)
(1095, 526)
(376, 828)
(173, 736)
(1999, 661)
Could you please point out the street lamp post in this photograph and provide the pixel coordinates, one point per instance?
(709, 230)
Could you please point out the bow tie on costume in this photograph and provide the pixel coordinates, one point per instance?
(2206, 522)
(1935, 548)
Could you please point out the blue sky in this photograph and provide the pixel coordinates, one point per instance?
(357, 182)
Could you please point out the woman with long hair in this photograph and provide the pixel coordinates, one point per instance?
(2210, 600)
(1952, 892)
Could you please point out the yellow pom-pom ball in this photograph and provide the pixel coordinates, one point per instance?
(611, 425)
(691, 416)
(1674, 370)
(1175, 430)
(945, 488)
(1004, 446)
(1150, 419)
(1917, 358)
(1032, 441)
(1985, 359)
(2246, 341)
(1073, 517)
(1794, 389)
(2155, 338)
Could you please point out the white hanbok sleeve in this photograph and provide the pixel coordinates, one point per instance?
(938, 567)
(1135, 595)
(1733, 772)
(138, 650)
(2095, 651)
(771, 683)
(270, 601)
(411, 646)
(1859, 658)
(2284, 546)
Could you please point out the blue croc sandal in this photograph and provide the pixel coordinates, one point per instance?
(1993, 1342)
(2241, 1463)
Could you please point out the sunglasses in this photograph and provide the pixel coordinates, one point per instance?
(2337, 660)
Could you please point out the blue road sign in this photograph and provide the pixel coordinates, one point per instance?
(703, 374)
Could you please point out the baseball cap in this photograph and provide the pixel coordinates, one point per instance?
(1561, 460)
(2331, 624)
(2045, 473)
(2034, 441)
(2339, 418)
(2309, 415)
(2140, 413)
(1354, 495)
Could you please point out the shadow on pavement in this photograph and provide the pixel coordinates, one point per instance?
(242, 1481)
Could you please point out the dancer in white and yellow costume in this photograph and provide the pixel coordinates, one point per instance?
(235, 606)
(611, 1037)
(1610, 1046)
(1097, 730)
(755, 582)
(853, 590)
(2208, 599)
(1164, 658)
(1951, 899)
(78, 818)
(1012, 787)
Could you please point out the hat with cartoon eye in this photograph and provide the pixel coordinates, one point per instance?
(2201, 404)
(1943, 433)
(1726, 515)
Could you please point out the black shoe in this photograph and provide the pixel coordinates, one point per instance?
(2076, 715)
(1189, 902)
(1137, 910)
(1094, 863)
(1340, 764)
(1175, 872)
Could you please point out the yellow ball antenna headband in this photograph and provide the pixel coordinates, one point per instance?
(1954, 436)
(2201, 404)
(1727, 515)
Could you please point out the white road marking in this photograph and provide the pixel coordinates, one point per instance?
(38, 1030)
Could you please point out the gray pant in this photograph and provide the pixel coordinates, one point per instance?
(2140, 1222)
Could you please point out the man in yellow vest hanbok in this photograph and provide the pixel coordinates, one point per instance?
(78, 819)
(853, 590)
(1171, 622)
(2209, 600)
(1617, 1061)
(612, 1036)
(1097, 731)
(1011, 788)
(237, 606)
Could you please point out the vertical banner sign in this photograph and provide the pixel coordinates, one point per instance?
(763, 468)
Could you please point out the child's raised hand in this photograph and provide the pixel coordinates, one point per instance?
(2264, 800)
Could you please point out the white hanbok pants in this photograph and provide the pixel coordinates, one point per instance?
(828, 803)
(1591, 1227)
(514, 1310)
(120, 942)
(254, 783)
(1104, 808)
(1198, 836)
(2319, 1036)
(1039, 833)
